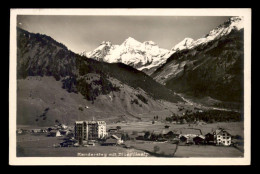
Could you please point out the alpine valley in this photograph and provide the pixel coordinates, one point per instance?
(133, 81)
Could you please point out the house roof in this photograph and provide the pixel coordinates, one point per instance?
(191, 131)
(169, 133)
(218, 131)
(209, 134)
(200, 136)
(115, 137)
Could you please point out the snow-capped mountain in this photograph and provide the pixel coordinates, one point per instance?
(234, 23)
(131, 52)
(210, 66)
(148, 56)
(184, 44)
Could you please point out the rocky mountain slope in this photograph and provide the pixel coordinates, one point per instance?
(211, 66)
(112, 91)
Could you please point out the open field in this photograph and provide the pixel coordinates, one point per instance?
(41, 146)
(207, 151)
(164, 149)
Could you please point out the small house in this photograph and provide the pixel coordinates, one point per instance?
(209, 139)
(199, 139)
(185, 140)
(170, 135)
(54, 133)
(222, 137)
(64, 132)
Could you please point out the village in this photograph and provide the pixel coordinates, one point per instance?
(93, 135)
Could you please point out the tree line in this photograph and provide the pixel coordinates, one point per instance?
(209, 116)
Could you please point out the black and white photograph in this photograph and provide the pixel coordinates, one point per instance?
(130, 86)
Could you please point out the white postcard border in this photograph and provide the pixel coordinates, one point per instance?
(13, 160)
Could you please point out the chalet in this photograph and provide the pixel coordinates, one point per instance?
(64, 132)
(222, 137)
(209, 139)
(185, 140)
(54, 133)
(190, 133)
(170, 135)
(199, 139)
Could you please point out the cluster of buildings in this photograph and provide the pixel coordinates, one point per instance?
(218, 137)
(55, 131)
(88, 132)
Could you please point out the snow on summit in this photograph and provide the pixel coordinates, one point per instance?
(148, 55)
(233, 23)
(131, 52)
(183, 44)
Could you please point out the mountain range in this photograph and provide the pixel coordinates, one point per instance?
(148, 56)
(211, 66)
(131, 81)
(71, 87)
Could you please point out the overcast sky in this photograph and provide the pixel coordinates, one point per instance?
(80, 33)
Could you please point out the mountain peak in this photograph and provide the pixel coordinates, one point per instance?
(107, 43)
(150, 43)
(185, 43)
(233, 23)
(131, 41)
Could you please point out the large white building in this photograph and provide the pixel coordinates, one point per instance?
(222, 137)
(90, 130)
